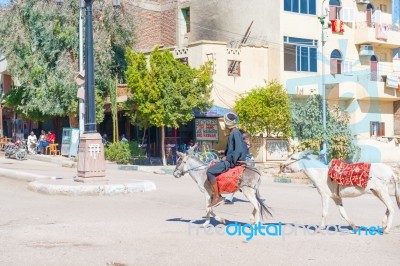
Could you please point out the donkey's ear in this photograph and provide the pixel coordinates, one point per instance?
(191, 150)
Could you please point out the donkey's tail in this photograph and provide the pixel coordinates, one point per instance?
(396, 179)
(263, 208)
(396, 192)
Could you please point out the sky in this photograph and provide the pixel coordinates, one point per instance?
(2, 2)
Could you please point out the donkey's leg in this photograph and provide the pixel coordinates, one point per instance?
(208, 209)
(216, 217)
(385, 198)
(209, 212)
(343, 213)
(385, 219)
(325, 208)
(382, 193)
(250, 194)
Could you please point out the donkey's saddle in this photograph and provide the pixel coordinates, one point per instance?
(345, 174)
(228, 182)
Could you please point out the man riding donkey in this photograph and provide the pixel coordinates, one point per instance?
(234, 154)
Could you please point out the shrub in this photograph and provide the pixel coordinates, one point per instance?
(118, 152)
(136, 151)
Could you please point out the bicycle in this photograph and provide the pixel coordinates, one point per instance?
(207, 155)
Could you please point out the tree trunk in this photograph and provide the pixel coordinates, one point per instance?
(144, 135)
(164, 161)
(73, 121)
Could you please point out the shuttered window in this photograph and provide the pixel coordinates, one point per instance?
(377, 129)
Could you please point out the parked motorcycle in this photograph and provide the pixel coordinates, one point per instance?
(19, 149)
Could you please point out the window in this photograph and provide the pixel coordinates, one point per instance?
(300, 6)
(374, 68)
(186, 17)
(377, 129)
(347, 66)
(233, 68)
(300, 54)
(336, 62)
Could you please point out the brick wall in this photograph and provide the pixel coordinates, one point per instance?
(155, 24)
(396, 111)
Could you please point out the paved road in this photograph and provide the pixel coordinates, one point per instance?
(155, 228)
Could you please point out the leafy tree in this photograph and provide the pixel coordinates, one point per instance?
(165, 93)
(40, 41)
(308, 128)
(265, 110)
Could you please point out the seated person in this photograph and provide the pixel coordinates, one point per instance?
(234, 153)
(42, 141)
(246, 146)
(32, 143)
(104, 139)
(51, 137)
(123, 138)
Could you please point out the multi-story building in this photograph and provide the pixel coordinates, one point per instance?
(356, 61)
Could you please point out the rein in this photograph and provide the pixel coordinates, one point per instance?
(195, 168)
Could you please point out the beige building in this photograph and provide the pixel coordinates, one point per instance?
(356, 60)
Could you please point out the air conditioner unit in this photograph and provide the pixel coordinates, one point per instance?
(366, 50)
(362, 1)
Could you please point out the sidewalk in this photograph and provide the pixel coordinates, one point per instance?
(55, 175)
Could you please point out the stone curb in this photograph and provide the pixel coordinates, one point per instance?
(22, 176)
(43, 158)
(74, 189)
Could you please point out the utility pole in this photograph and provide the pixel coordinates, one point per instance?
(323, 92)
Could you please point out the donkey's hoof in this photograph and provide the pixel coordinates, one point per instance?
(252, 221)
(204, 225)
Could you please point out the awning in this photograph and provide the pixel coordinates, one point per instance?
(214, 111)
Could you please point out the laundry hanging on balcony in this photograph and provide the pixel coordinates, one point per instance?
(381, 31)
(337, 25)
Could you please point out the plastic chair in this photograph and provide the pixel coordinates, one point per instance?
(47, 148)
(53, 149)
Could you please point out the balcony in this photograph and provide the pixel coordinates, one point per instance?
(374, 84)
(341, 91)
(367, 35)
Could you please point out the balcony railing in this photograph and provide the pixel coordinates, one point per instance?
(365, 24)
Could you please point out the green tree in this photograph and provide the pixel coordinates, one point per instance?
(165, 93)
(308, 129)
(40, 41)
(265, 110)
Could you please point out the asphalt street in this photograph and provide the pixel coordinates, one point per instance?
(161, 227)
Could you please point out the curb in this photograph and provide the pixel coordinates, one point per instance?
(63, 162)
(22, 176)
(282, 180)
(71, 188)
(127, 167)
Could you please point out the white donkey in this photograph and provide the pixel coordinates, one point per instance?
(249, 185)
(379, 177)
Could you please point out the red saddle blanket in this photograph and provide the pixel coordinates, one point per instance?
(355, 174)
(228, 182)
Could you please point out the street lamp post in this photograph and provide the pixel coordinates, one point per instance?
(323, 92)
(81, 92)
(91, 163)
